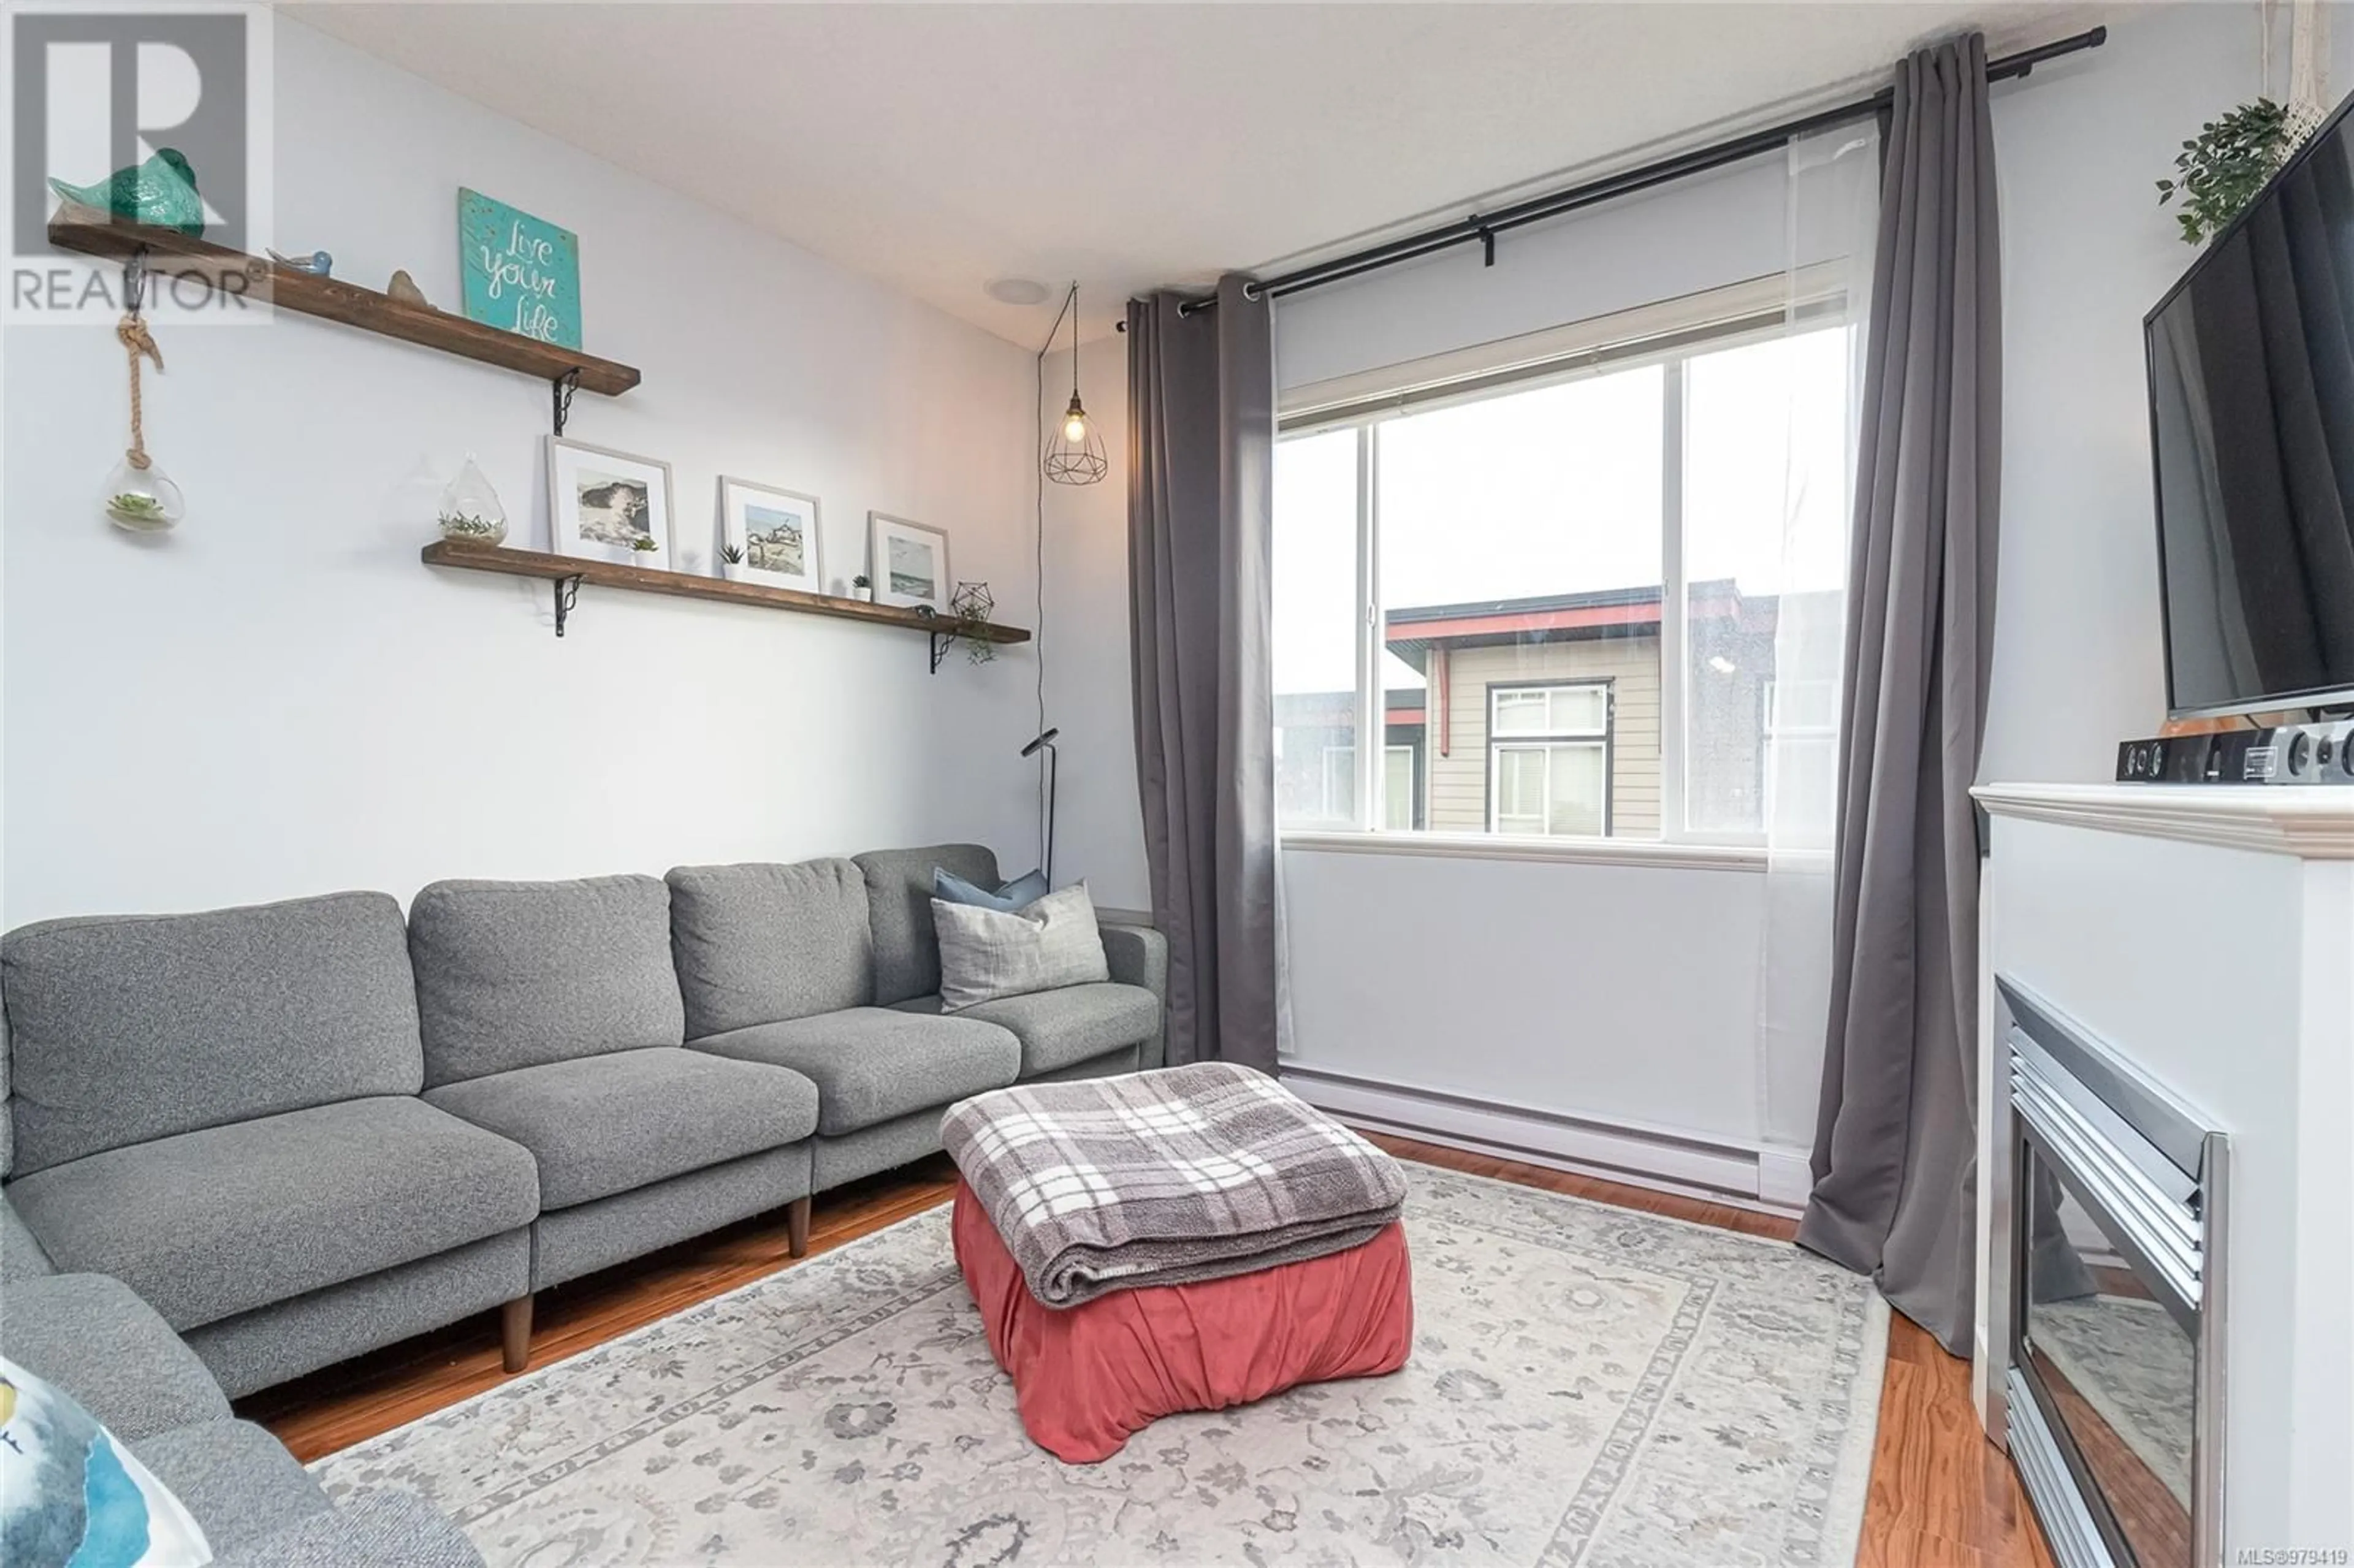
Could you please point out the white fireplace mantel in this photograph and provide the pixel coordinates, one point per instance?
(2207, 935)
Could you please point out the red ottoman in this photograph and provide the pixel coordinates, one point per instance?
(1088, 1376)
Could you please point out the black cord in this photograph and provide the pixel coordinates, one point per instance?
(1038, 478)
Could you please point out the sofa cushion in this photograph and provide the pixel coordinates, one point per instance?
(513, 974)
(871, 1064)
(239, 1481)
(607, 1124)
(899, 910)
(1057, 1028)
(95, 1339)
(129, 1029)
(21, 1256)
(757, 944)
(371, 1530)
(212, 1223)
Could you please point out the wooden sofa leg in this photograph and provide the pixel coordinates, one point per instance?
(797, 1218)
(515, 1333)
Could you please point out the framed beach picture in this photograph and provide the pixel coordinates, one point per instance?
(908, 562)
(775, 532)
(608, 505)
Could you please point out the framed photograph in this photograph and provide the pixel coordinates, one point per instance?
(908, 562)
(606, 505)
(775, 530)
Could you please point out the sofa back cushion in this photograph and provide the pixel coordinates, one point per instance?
(513, 974)
(762, 944)
(124, 1030)
(899, 912)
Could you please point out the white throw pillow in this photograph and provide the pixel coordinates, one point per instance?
(989, 953)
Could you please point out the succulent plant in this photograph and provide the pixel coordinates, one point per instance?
(455, 526)
(135, 507)
(732, 554)
(644, 543)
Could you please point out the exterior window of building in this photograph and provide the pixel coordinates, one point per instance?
(1549, 760)
(1556, 592)
(1400, 801)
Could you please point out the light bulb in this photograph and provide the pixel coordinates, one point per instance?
(1074, 429)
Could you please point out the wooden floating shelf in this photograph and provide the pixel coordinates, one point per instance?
(92, 233)
(568, 572)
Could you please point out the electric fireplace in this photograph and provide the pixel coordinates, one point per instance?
(2114, 1301)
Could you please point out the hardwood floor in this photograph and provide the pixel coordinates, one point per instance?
(1941, 1496)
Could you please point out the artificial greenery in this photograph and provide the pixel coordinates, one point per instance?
(2220, 170)
(861, 581)
(732, 554)
(455, 525)
(645, 543)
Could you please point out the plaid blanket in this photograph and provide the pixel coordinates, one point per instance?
(1193, 1172)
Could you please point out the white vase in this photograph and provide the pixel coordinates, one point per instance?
(863, 595)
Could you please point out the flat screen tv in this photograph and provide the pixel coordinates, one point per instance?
(2251, 431)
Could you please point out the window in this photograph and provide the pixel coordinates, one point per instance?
(1562, 590)
(1549, 760)
(1400, 803)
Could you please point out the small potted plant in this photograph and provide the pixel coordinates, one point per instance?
(471, 512)
(731, 562)
(643, 545)
(862, 587)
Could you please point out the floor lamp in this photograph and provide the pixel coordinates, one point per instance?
(1054, 774)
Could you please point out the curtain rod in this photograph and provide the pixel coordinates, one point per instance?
(1483, 228)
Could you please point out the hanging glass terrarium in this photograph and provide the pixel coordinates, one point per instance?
(138, 495)
(471, 512)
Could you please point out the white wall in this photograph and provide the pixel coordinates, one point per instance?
(1672, 957)
(2078, 660)
(279, 699)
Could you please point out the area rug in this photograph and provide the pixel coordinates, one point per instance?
(1589, 1385)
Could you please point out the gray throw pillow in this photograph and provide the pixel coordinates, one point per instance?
(989, 953)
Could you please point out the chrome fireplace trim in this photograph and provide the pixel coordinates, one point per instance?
(2156, 1182)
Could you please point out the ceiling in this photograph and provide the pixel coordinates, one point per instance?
(939, 146)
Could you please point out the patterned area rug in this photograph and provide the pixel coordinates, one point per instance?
(1589, 1385)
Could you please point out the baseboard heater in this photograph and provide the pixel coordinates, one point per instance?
(1646, 1156)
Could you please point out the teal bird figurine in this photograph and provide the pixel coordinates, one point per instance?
(161, 192)
(318, 263)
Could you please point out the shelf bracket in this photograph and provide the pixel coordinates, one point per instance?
(567, 594)
(941, 643)
(562, 388)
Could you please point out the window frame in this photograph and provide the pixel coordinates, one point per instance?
(1666, 333)
(1545, 740)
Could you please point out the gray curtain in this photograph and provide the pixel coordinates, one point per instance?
(1894, 1147)
(1201, 489)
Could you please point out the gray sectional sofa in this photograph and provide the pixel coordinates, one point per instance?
(299, 1132)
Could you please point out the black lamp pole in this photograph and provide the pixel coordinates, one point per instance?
(1053, 774)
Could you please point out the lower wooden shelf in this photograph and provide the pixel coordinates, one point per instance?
(567, 573)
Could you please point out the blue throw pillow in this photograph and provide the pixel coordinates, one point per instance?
(1019, 893)
(71, 1497)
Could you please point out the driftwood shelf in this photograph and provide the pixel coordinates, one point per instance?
(174, 254)
(568, 573)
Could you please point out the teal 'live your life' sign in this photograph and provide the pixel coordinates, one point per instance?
(521, 273)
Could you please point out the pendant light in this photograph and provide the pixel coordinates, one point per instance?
(1074, 455)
